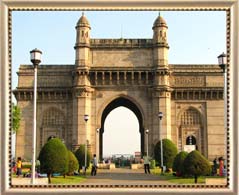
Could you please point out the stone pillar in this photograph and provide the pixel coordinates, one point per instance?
(82, 104)
(82, 131)
(161, 103)
(165, 107)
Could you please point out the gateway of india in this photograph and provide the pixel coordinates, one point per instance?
(133, 73)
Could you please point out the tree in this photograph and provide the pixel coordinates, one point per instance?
(178, 163)
(54, 158)
(73, 163)
(80, 155)
(169, 152)
(16, 117)
(195, 164)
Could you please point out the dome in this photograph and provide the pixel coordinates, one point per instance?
(83, 21)
(159, 22)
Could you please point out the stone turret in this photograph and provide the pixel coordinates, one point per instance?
(82, 46)
(160, 43)
(162, 90)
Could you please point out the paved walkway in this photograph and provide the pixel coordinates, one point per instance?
(27, 181)
(124, 176)
(118, 176)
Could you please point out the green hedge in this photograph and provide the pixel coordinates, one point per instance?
(169, 152)
(178, 163)
(54, 158)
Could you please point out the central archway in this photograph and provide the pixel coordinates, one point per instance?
(121, 101)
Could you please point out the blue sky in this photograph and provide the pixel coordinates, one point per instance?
(194, 37)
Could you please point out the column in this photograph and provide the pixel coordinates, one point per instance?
(132, 77)
(125, 78)
(147, 77)
(96, 78)
(140, 77)
(117, 78)
(103, 78)
(110, 77)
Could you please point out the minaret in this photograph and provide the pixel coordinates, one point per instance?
(162, 90)
(82, 89)
(160, 43)
(82, 45)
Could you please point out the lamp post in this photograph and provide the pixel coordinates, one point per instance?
(97, 143)
(35, 56)
(160, 115)
(222, 61)
(86, 118)
(147, 144)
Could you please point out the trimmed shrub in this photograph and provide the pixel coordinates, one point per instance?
(16, 118)
(73, 163)
(80, 155)
(169, 152)
(53, 158)
(152, 164)
(178, 163)
(195, 164)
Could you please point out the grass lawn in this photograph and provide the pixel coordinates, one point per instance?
(180, 180)
(67, 180)
(61, 180)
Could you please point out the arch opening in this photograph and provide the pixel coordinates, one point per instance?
(191, 140)
(121, 135)
(121, 102)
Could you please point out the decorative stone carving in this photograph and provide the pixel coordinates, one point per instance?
(83, 92)
(188, 81)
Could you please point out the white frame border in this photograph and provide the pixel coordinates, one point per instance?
(113, 5)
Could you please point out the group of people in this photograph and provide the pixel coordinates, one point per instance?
(17, 166)
(145, 158)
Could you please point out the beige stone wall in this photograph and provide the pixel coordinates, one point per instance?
(26, 80)
(174, 127)
(47, 76)
(121, 57)
(55, 78)
(24, 135)
(215, 129)
(214, 81)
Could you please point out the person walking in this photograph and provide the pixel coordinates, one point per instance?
(19, 166)
(146, 164)
(94, 166)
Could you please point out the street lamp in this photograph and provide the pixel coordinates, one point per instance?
(222, 61)
(35, 56)
(147, 139)
(97, 143)
(160, 115)
(86, 118)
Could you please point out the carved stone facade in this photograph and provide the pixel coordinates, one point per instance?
(134, 73)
